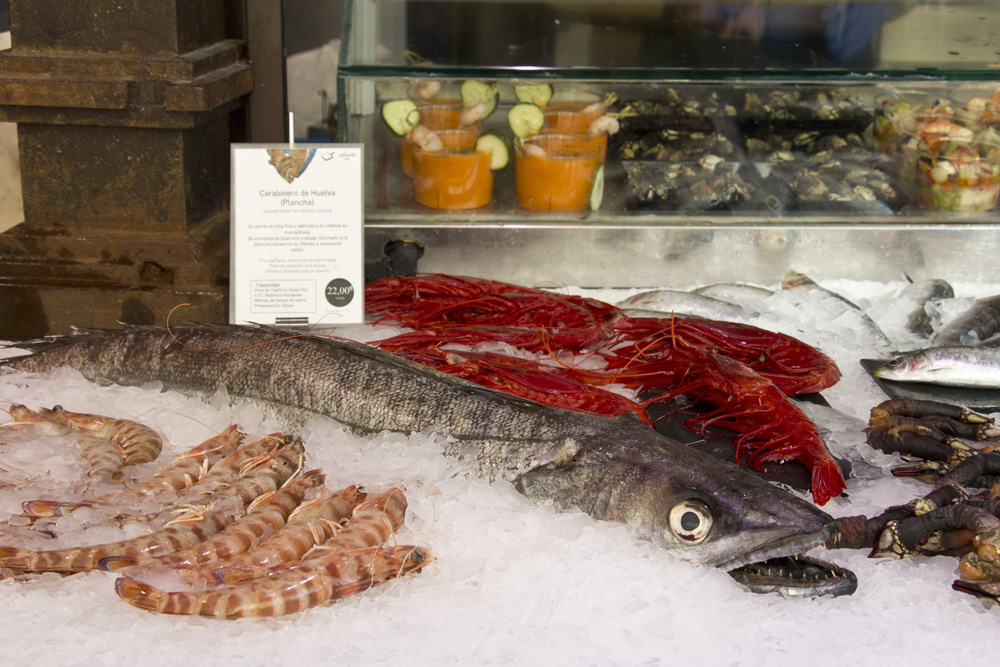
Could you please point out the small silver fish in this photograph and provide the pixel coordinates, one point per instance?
(734, 292)
(797, 281)
(975, 325)
(976, 367)
(919, 322)
(686, 303)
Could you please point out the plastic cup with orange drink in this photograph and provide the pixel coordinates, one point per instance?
(447, 115)
(556, 172)
(453, 169)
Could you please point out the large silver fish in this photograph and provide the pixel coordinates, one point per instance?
(704, 510)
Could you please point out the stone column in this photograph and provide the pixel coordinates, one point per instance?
(123, 111)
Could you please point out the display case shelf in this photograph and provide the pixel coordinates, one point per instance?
(782, 95)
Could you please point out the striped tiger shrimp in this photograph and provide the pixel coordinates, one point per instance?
(138, 442)
(183, 471)
(372, 523)
(104, 457)
(264, 474)
(226, 471)
(336, 576)
(187, 530)
(312, 523)
(265, 516)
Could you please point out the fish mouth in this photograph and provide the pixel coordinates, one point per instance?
(778, 566)
(796, 576)
(782, 545)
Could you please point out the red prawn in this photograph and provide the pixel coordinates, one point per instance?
(544, 383)
(745, 371)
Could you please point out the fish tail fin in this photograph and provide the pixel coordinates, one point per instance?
(138, 594)
(827, 480)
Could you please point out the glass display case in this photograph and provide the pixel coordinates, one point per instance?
(650, 143)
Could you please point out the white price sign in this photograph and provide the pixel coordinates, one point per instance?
(297, 234)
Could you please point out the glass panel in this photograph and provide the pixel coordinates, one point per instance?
(949, 36)
(738, 113)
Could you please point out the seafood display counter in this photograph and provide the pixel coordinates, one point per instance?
(820, 135)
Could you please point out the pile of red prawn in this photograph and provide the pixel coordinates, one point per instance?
(581, 345)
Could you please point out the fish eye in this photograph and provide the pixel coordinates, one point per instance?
(691, 520)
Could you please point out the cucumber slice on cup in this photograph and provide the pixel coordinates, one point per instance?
(473, 92)
(525, 119)
(498, 145)
(401, 116)
(535, 93)
(597, 191)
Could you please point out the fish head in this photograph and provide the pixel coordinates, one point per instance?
(701, 509)
(903, 367)
(722, 516)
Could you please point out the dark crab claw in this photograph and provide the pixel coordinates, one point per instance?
(966, 471)
(923, 533)
(942, 418)
(988, 591)
(890, 544)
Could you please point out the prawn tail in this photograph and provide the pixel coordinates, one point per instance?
(14, 558)
(117, 563)
(140, 595)
(38, 509)
(827, 480)
(239, 574)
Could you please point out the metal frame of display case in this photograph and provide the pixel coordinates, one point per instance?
(612, 247)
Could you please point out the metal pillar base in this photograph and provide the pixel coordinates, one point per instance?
(123, 130)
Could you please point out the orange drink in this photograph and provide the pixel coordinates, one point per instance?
(571, 117)
(555, 172)
(455, 177)
(575, 118)
(434, 116)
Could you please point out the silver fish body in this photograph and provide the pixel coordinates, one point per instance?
(704, 510)
(734, 292)
(798, 281)
(977, 367)
(919, 321)
(977, 324)
(688, 303)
